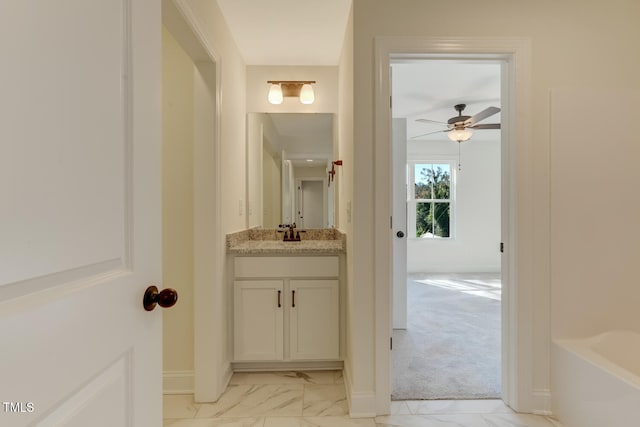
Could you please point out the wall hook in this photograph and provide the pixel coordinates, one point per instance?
(332, 172)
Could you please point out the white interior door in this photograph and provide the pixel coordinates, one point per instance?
(399, 172)
(80, 216)
(311, 204)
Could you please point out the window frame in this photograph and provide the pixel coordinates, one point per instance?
(412, 201)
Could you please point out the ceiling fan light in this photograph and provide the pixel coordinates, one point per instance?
(306, 94)
(275, 94)
(459, 135)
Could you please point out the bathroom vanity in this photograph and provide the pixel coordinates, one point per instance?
(287, 299)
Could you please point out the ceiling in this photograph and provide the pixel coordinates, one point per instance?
(311, 32)
(287, 32)
(429, 89)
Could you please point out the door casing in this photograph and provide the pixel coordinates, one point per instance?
(515, 53)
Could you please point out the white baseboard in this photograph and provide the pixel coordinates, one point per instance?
(542, 402)
(177, 382)
(361, 404)
(225, 378)
(285, 366)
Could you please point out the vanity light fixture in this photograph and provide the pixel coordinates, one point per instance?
(299, 88)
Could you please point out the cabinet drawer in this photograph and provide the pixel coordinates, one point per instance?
(314, 266)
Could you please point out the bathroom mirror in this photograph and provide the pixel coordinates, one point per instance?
(288, 159)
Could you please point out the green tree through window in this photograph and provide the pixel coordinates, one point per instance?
(432, 195)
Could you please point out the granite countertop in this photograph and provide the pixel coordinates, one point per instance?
(267, 242)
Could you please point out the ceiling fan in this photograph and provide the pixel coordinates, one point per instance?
(459, 128)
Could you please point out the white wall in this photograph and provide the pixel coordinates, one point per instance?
(207, 38)
(311, 172)
(595, 208)
(574, 44)
(177, 203)
(213, 28)
(357, 362)
(476, 220)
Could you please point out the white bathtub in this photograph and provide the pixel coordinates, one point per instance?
(596, 381)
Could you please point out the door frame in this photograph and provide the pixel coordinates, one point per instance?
(212, 367)
(517, 361)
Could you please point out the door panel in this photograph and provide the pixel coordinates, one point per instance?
(314, 319)
(258, 320)
(64, 121)
(80, 176)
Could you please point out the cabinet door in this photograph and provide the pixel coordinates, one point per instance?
(314, 319)
(258, 320)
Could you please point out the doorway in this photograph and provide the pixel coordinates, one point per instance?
(446, 312)
(311, 203)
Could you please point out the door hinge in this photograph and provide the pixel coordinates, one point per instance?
(501, 247)
(391, 222)
(390, 343)
(390, 102)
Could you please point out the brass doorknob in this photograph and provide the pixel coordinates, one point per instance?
(165, 298)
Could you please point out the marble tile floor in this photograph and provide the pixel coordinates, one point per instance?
(318, 399)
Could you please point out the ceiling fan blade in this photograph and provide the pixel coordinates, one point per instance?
(430, 133)
(430, 121)
(487, 112)
(485, 126)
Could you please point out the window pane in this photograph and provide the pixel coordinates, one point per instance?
(441, 219)
(433, 220)
(424, 220)
(423, 181)
(441, 181)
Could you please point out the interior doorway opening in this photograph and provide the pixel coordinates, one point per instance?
(311, 203)
(447, 229)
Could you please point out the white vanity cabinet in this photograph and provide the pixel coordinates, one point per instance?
(286, 308)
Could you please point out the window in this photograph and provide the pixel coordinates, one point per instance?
(430, 199)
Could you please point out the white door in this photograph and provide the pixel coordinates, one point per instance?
(399, 172)
(80, 213)
(311, 209)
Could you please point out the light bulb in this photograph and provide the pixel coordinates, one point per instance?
(306, 94)
(459, 135)
(275, 94)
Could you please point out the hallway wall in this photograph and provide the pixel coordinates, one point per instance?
(595, 206)
(210, 41)
(177, 203)
(574, 44)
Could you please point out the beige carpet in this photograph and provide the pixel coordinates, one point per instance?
(451, 348)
